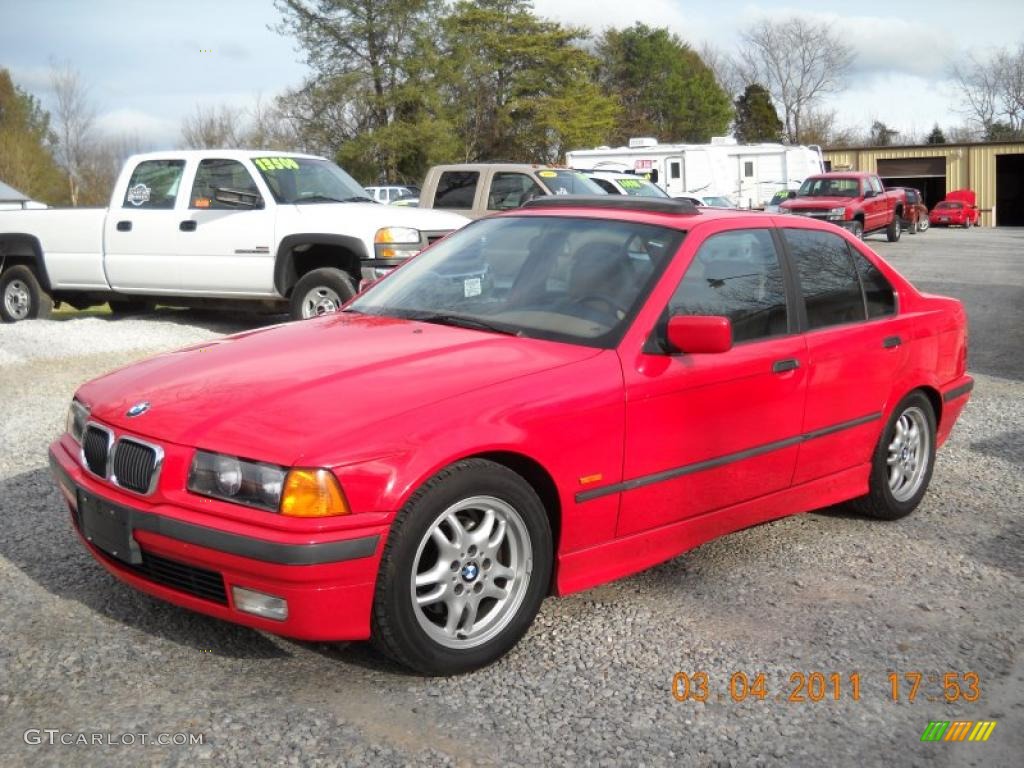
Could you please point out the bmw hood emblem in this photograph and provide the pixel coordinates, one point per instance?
(138, 409)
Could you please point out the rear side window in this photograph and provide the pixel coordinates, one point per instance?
(738, 275)
(225, 175)
(456, 189)
(154, 184)
(828, 279)
(878, 293)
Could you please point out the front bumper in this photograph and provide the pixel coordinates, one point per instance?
(327, 583)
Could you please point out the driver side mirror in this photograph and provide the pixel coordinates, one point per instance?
(699, 334)
(869, 193)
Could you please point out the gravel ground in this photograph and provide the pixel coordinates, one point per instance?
(940, 591)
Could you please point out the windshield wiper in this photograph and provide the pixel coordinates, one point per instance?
(459, 321)
(358, 199)
(317, 199)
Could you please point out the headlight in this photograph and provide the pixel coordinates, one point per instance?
(78, 414)
(243, 482)
(295, 492)
(837, 213)
(396, 242)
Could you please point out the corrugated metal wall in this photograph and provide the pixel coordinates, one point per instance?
(967, 165)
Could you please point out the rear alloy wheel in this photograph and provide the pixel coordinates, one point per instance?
(902, 464)
(893, 231)
(21, 296)
(465, 569)
(321, 292)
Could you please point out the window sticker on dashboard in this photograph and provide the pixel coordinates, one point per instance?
(471, 287)
(275, 164)
(138, 194)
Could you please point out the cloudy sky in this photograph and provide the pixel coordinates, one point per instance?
(147, 64)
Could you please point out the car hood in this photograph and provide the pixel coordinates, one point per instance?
(268, 394)
(372, 216)
(818, 202)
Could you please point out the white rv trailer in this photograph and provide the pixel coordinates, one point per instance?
(749, 174)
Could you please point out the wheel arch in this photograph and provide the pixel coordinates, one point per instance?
(23, 248)
(299, 254)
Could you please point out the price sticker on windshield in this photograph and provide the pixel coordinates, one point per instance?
(629, 183)
(275, 164)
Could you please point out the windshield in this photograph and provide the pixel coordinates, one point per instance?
(564, 279)
(830, 188)
(779, 197)
(565, 182)
(300, 180)
(641, 188)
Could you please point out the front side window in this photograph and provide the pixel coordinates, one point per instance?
(828, 279)
(736, 275)
(511, 190)
(154, 184)
(308, 180)
(223, 176)
(564, 279)
(456, 189)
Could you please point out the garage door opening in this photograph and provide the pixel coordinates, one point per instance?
(1010, 190)
(925, 174)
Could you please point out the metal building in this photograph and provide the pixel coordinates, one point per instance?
(994, 170)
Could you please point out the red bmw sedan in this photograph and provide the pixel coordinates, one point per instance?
(547, 399)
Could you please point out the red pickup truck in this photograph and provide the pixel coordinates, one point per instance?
(856, 201)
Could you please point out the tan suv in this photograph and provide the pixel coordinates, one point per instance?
(477, 189)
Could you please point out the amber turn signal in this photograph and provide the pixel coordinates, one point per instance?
(312, 493)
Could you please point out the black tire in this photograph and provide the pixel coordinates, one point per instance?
(397, 625)
(894, 230)
(967, 223)
(320, 292)
(22, 297)
(857, 229)
(123, 307)
(880, 502)
(912, 229)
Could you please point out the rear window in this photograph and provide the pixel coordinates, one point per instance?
(456, 189)
(154, 184)
(949, 206)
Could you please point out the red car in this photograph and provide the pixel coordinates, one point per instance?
(958, 209)
(545, 400)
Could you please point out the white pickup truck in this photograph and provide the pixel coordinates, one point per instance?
(191, 228)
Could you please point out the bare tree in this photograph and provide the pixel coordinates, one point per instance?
(800, 61)
(992, 92)
(73, 124)
(724, 68)
(220, 127)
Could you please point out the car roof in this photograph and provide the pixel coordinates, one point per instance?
(218, 154)
(499, 167)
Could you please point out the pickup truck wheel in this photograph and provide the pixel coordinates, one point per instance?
(21, 296)
(902, 464)
(321, 292)
(857, 230)
(912, 229)
(894, 230)
(464, 571)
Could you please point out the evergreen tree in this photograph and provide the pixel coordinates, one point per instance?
(26, 141)
(756, 118)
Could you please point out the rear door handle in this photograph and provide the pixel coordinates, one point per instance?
(188, 226)
(124, 226)
(891, 341)
(781, 366)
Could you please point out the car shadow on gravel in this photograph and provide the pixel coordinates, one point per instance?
(38, 539)
(217, 321)
(1007, 445)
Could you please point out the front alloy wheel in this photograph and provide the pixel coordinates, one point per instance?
(471, 572)
(464, 570)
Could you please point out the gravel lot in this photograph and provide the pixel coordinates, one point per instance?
(940, 591)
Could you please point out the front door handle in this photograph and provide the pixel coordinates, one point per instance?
(188, 226)
(124, 226)
(891, 341)
(781, 366)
